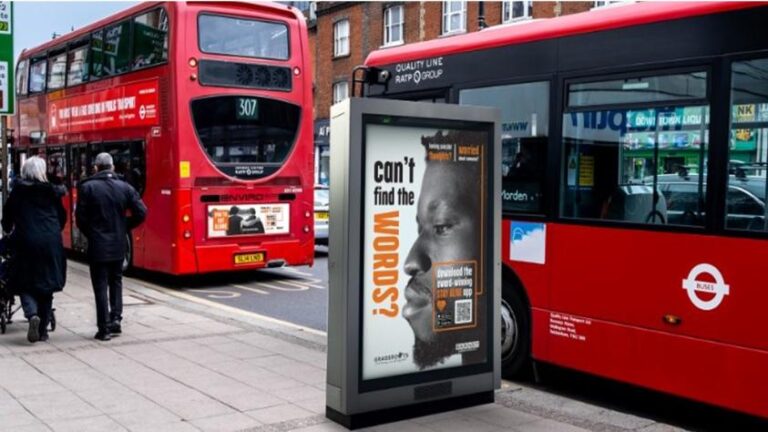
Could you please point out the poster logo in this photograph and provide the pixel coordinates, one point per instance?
(694, 286)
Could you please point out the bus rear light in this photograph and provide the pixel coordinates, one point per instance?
(307, 213)
(296, 71)
(187, 234)
(306, 228)
(193, 77)
(185, 218)
(192, 62)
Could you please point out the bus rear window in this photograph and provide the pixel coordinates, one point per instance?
(243, 37)
(243, 134)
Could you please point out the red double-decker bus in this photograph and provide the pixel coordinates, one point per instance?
(634, 161)
(206, 109)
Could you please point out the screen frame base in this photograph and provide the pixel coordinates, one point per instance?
(391, 415)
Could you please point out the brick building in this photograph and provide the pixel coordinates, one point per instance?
(342, 34)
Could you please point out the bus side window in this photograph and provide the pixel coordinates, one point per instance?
(77, 65)
(37, 75)
(748, 156)
(150, 38)
(117, 46)
(96, 54)
(21, 77)
(525, 121)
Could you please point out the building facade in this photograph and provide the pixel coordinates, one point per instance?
(342, 34)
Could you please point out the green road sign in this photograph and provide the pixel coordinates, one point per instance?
(6, 57)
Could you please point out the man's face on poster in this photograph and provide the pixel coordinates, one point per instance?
(448, 222)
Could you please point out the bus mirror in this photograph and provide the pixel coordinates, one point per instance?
(382, 77)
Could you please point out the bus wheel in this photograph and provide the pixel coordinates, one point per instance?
(128, 260)
(515, 334)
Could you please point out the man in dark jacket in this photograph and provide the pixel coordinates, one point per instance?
(107, 209)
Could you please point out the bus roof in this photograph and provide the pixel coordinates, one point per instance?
(580, 23)
(84, 31)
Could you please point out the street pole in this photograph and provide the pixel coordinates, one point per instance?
(4, 155)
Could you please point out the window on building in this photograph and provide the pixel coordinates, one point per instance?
(454, 17)
(37, 75)
(57, 69)
(516, 10)
(150, 38)
(341, 38)
(77, 65)
(340, 91)
(635, 150)
(748, 149)
(524, 131)
(21, 77)
(393, 25)
(604, 3)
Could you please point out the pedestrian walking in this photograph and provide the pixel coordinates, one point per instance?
(33, 217)
(107, 209)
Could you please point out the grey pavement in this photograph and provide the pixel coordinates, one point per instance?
(186, 365)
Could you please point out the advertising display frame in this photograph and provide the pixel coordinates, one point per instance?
(352, 400)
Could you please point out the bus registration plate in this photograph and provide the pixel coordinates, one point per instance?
(250, 258)
(321, 215)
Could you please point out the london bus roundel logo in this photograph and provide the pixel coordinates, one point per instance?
(694, 286)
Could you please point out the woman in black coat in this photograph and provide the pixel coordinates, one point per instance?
(34, 217)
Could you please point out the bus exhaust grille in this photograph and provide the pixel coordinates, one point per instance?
(225, 74)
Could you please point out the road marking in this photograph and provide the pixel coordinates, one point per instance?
(247, 288)
(232, 309)
(217, 294)
(279, 288)
(302, 284)
(293, 270)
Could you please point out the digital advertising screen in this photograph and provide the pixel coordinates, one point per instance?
(424, 302)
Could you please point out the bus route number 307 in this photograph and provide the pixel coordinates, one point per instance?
(247, 109)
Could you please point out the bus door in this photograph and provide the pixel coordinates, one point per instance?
(81, 169)
(129, 162)
(57, 175)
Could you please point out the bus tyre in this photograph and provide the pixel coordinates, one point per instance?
(515, 334)
(128, 260)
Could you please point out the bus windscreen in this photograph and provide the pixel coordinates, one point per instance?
(246, 130)
(243, 37)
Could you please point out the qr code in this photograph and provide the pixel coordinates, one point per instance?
(463, 311)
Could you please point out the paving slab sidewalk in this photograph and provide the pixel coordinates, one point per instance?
(184, 366)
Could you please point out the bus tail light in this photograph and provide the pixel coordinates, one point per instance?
(192, 62)
(187, 234)
(307, 213)
(306, 228)
(296, 71)
(185, 218)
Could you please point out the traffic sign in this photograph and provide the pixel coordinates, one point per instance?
(6, 57)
